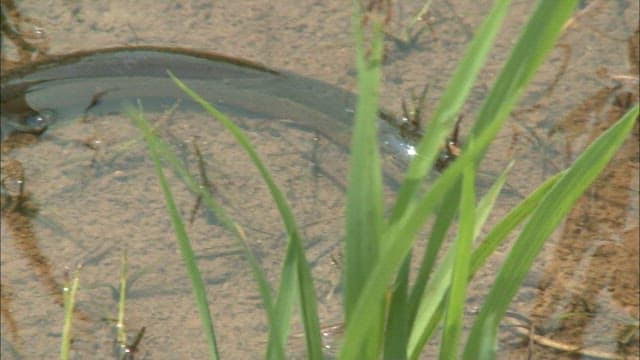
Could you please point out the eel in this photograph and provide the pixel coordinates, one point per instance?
(45, 93)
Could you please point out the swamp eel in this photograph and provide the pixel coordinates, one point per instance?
(56, 88)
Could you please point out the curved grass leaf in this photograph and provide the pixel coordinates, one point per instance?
(183, 240)
(539, 36)
(460, 270)
(277, 339)
(444, 117)
(542, 223)
(438, 128)
(364, 202)
(399, 237)
(295, 246)
(70, 292)
(515, 217)
(429, 312)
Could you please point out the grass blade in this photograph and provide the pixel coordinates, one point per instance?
(276, 343)
(541, 32)
(305, 281)
(429, 311)
(444, 118)
(543, 222)
(399, 238)
(364, 208)
(69, 292)
(539, 36)
(485, 205)
(438, 128)
(460, 273)
(445, 216)
(282, 311)
(516, 216)
(120, 326)
(183, 241)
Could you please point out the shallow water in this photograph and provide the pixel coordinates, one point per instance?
(92, 202)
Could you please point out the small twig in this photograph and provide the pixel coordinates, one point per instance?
(525, 328)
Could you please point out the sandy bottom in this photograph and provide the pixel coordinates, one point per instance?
(91, 202)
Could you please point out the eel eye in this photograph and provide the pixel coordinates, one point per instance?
(37, 123)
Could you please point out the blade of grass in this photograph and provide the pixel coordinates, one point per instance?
(305, 281)
(429, 311)
(284, 304)
(488, 346)
(402, 232)
(539, 36)
(276, 344)
(444, 118)
(69, 292)
(398, 320)
(540, 33)
(445, 215)
(399, 238)
(460, 272)
(516, 216)
(543, 222)
(485, 205)
(122, 332)
(429, 303)
(439, 127)
(184, 244)
(364, 208)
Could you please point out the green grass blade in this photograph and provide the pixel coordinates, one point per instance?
(431, 307)
(543, 222)
(539, 36)
(488, 346)
(364, 194)
(427, 305)
(485, 205)
(429, 312)
(308, 303)
(183, 241)
(449, 106)
(399, 239)
(445, 216)
(462, 250)
(69, 292)
(122, 332)
(516, 216)
(438, 128)
(398, 317)
(277, 338)
(284, 304)
(364, 207)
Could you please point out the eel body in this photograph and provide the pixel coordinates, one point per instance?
(64, 87)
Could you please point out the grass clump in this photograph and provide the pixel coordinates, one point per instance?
(386, 315)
